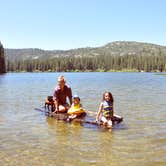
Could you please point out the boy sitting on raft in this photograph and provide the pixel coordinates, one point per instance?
(76, 109)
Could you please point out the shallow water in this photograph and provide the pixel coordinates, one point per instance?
(28, 137)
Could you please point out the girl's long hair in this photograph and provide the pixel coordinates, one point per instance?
(110, 95)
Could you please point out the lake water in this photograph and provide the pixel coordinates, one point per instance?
(28, 137)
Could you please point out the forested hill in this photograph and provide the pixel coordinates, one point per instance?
(111, 49)
(110, 57)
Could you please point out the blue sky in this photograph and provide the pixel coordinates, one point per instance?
(68, 24)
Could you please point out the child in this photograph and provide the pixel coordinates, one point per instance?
(107, 110)
(76, 109)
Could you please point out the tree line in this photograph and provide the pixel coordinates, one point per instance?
(104, 62)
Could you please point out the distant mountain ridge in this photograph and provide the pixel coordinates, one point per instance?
(117, 48)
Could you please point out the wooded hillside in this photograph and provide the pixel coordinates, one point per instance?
(115, 56)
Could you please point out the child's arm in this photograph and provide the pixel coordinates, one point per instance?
(99, 112)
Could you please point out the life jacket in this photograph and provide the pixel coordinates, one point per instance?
(75, 109)
(107, 109)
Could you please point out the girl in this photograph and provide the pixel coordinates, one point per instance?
(107, 110)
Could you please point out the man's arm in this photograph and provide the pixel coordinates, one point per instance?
(70, 95)
(56, 101)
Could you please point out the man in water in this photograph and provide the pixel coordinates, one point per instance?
(61, 92)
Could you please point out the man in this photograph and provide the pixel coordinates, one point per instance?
(62, 91)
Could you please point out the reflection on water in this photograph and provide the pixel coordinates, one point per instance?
(27, 137)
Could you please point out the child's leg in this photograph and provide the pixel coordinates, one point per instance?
(104, 120)
(109, 123)
(72, 116)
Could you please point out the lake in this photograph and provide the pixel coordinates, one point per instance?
(28, 137)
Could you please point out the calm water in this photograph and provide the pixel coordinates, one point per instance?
(27, 137)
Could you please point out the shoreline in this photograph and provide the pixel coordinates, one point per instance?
(86, 71)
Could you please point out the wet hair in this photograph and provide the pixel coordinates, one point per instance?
(110, 95)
